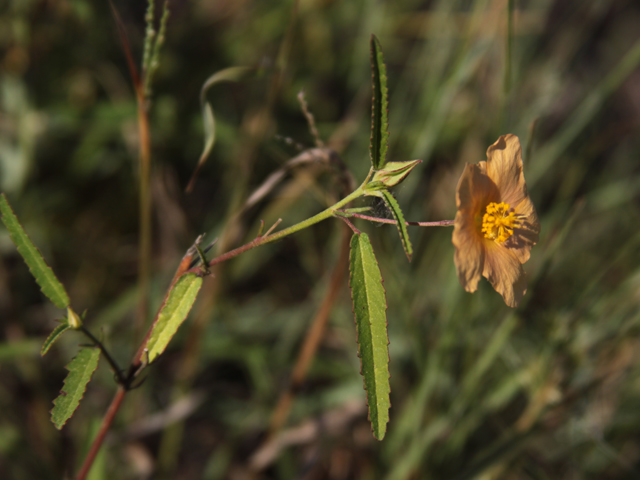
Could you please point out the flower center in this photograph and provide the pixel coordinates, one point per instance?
(498, 222)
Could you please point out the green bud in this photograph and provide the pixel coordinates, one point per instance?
(392, 173)
(73, 319)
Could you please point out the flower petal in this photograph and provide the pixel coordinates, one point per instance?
(475, 190)
(468, 256)
(526, 235)
(504, 167)
(503, 270)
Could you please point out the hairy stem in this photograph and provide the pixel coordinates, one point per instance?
(265, 239)
(441, 223)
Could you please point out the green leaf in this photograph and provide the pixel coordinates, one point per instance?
(391, 202)
(379, 107)
(59, 330)
(173, 313)
(369, 308)
(45, 277)
(80, 369)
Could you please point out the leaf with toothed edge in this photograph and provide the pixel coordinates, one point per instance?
(369, 308)
(57, 332)
(391, 202)
(379, 107)
(175, 310)
(80, 369)
(49, 284)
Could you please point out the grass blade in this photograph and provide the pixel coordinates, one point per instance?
(369, 308)
(43, 274)
(59, 330)
(173, 313)
(379, 107)
(391, 202)
(80, 369)
(583, 114)
(231, 74)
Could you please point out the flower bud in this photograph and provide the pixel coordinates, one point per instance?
(392, 174)
(73, 319)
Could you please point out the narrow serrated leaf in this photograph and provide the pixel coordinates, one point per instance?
(59, 330)
(379, 107)
(173, 313)
(391, 202)
(369, 308)
(80, 369)
(49, 284)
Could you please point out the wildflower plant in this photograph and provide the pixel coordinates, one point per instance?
(494, 229)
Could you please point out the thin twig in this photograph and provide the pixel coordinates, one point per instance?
(350, 225)
(114, 366)
(125, 46)
(273, 227)
(311, 156)
(145, 211)
(310, 120)
(144, 245)
(441, 223)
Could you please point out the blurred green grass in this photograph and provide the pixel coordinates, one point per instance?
(548, 391)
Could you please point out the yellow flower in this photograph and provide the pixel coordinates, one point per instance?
(496, 224)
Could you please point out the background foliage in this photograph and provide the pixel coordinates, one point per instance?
(550, 390)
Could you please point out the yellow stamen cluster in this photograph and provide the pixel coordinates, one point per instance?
(498, 223)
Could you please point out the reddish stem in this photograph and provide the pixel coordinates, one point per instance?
(133, 369)
(350, 225)
(104, 428)
(441, 223)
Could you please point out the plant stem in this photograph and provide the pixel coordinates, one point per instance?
(441, 223)
(263, 240)
(350, 225)
(182, 269)
(125, 382)
(114, 366)
(104, 428)
(144, 242)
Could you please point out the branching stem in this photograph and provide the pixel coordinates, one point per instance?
(350, 225)
(270, 238)
(137, 362)
(112, 363)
